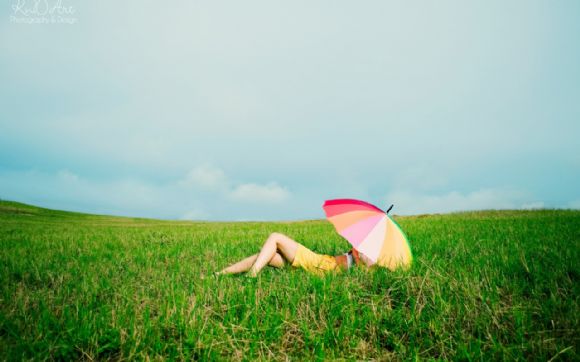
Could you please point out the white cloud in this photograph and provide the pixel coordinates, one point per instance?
(186, 198)
(574, 204)
(68, 191)
(533, 205)
(66, 175)
(205, 176)
(251, 192)
(208, 177)
(409, 202)
(195, 214)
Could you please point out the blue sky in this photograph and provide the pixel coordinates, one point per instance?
(258, 110)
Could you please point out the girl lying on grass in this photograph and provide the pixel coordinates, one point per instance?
(279, 249)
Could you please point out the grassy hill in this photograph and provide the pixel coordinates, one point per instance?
(484, 285)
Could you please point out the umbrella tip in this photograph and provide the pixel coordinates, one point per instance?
(390, 208)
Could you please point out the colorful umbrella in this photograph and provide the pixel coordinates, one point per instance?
(371, 231)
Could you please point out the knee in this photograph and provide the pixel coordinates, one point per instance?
(276, 236)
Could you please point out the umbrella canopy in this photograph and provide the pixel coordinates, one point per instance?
(371, 232)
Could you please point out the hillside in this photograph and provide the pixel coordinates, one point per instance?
(484, 285)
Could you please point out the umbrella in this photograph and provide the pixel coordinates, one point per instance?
(371, 231)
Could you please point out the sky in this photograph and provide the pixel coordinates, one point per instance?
(262, 110)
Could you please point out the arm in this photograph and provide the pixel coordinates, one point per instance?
(361, 259)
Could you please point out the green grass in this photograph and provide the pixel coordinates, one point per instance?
(490, 285)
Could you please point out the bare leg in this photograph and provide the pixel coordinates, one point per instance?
(244, 265)
(275, 243)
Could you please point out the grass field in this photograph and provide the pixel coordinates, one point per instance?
(489, 285)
